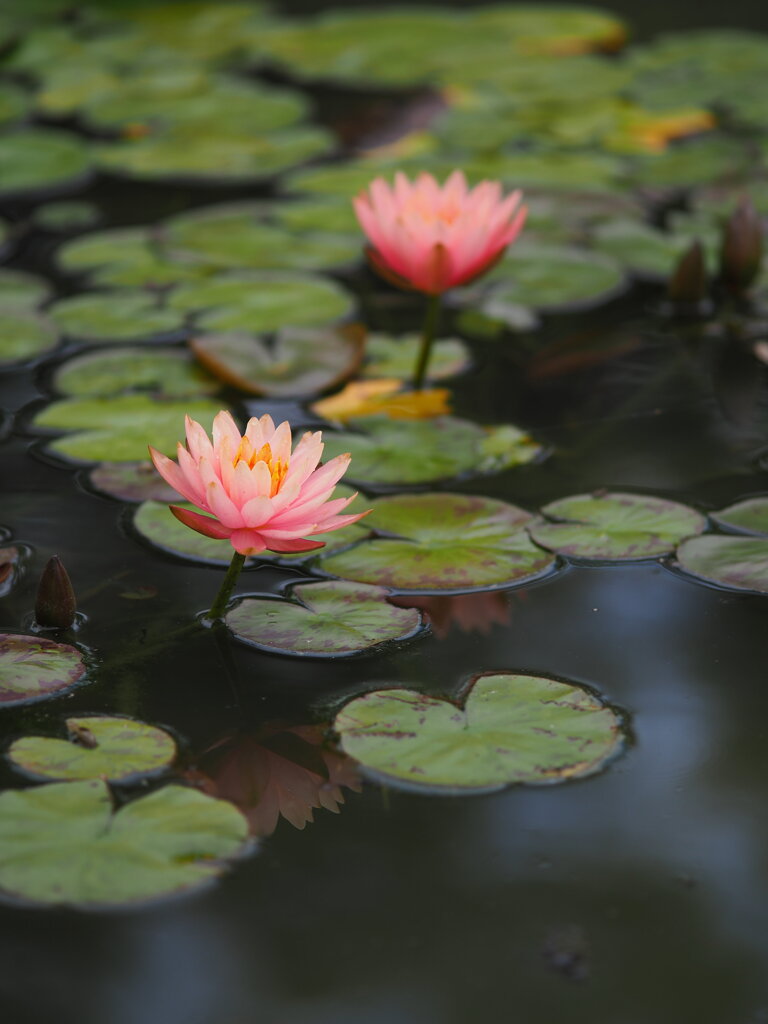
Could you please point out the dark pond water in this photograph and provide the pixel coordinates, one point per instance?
(637, 896)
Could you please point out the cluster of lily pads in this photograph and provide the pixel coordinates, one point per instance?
(627, 155)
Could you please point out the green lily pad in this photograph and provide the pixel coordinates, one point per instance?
(507, 728)
(124, 258)
(300, 361)
(328, 214)
(156, 524)
(738, 563)
(131, 481)
(33, 668)
(15, 102)
(261, 302)
(63, 843)
(615, 526)
(694, 162)
(98, 747)
(41, 158)
(643, 248)
(21, 291)
(25, 335)
(442, 542)
(323, 620)
(551, 278)
(163, 372)
(396, 357)
(66, 215)
(181, 152)
(750, 516)
(113, 316)
(119, 429)
(419, 451)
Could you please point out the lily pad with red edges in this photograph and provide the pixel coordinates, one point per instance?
(34, 668)
(329, 619)
(614, 526)
(98, 747)
(507, 728)
(299, 361)
(131, 481)
(441, 542)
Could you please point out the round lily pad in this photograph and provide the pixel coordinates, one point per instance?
(131, 481)
(506, 728)
(323, 620)
(167, 372)
(21, 291)
(396, 357)
(614, 526)
(261, 302)
(419, 451)
(124, 258)
(113, 316)
(24, 335)
(442, 542)
(98, 747)
(739, 563)
(642, 248)
(750, 516)
(33, 668)
(36, 158)
(63, 843)
(119, 429)
(299, 361)
(66, 215)
(548, 277)
(156, 524)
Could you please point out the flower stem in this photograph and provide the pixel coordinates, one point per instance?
(427, 337)
(219, 605)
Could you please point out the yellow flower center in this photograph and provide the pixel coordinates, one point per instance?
(277, 469)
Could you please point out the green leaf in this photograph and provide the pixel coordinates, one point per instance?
(164, 372)
(119, 429)
(123, 257)
(62, 843)
(750, 516)
(323, 620)
(421, 451)
(300, 361)
(24, 335)
(386, 356)
(66, 215)
(155, 523)
(21, 291)
(694, 162)
(35, 158)
(738, 563)
(442, 542)
(261, 302)
(131, 481)
(507, 728)
(118, 749)
(113, 316)
(614, 526)
(33, 668)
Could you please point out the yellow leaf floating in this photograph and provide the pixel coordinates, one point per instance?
(383, 397)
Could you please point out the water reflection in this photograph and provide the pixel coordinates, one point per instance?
(279, 770)
(468, 613)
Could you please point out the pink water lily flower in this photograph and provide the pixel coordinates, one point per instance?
(258, 494)
(432, 238)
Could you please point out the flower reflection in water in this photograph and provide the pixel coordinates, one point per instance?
(469, 613)
(277, 770)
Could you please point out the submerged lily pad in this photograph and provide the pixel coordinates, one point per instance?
(66, 215)
(396, 357)
(63, 843)
(739, 563)
(119, 429)
(33, 668)
(323, 619)
(114, 316)
(163, 372)
(614, 526)
(261, 302)
(750, 516)
(442, 542)
(36, 158)
(24, 335)
(131, 481)
(508, 728)
(98, 747)
(420, 451)
(300, 361)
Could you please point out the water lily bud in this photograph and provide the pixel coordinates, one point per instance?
(741, 251)
(687, 287)
(55, 606)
